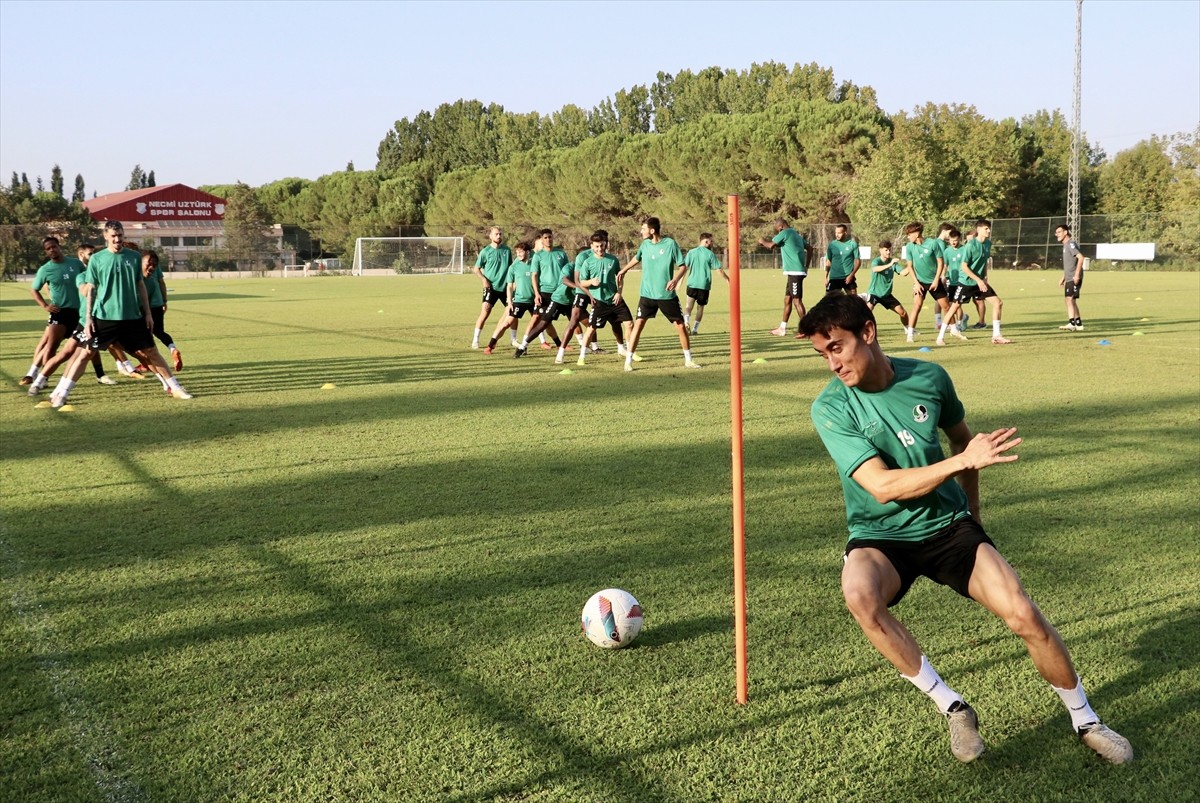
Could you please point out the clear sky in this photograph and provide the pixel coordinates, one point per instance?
(216, 92)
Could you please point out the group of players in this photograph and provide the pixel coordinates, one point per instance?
(951, 268)
(110, 299)
(588, 293)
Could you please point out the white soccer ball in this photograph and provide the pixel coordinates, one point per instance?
(612, 618)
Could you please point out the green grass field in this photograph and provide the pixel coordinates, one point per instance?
(276, 592)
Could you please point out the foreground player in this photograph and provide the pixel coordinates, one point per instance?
(116, 294)
(909, 517)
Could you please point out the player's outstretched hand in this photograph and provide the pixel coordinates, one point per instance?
(988, 448)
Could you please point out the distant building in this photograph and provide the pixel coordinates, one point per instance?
(175, 220)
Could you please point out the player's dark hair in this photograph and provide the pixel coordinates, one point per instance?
(150, 256)
(704, 235)
(945, 227)
(916, 227)
(837, 312)
(524, 246)
(544, 232)
(654, 224)
(983, 222)
(113, 225)
(886, 244)
(842, 226)
(50, 240)
(599, 237)
(1064, 227)
(955, 233)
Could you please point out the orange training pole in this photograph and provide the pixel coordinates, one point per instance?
(739, 501)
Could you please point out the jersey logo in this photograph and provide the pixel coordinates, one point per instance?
(920, 414)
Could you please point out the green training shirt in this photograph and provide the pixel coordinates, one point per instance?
(605, 268)
(520, 274)
(881, 282)
(61, 278)
(659, 261)
(900, 426)
(793, 249)
(841, 255)
(580, 258)
(954, 260)
(701, 263)
(924, 256)
(116, 278)
(153, 288)
(494, 263)
(563, 294)
(548, 267)
(976, 255)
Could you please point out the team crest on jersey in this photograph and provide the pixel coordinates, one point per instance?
(920, 414)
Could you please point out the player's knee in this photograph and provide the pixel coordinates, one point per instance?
(1024, 619)
(863, 600)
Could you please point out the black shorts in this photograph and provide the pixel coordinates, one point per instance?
(939, 293)
(963, 293)
(519, 308)
(700, 294)
(554, 309)
(887, 302)
(67, 317)
(544, 308)
(1072, 289)
(793, 286)
(947, 558)
(581, 301)
(603, 313)
(988, 293)
(840, 286)
(493, 296)
(649, 307)
(131, 335)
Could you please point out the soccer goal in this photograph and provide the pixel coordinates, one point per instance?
(384, 256)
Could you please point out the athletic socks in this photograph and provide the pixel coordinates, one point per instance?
(687, 355)
(63, 388)
(126, 366)
(562, 352)
(1077, 705)
(34, 370)
(171, 384)
(783, 326)
(524, 344)
(928, 681)
(995, 327)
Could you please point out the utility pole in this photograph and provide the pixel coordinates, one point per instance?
(1073, 179)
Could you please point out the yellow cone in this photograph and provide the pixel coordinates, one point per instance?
(42, 405)
(67, 408)
(328, 386)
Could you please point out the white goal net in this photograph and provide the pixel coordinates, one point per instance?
(386, 256)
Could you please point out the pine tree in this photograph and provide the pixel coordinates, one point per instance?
(80, 195)
(56, 182)
(137, 179)
(150, 179)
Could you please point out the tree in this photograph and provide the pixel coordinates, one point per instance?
(150, 181)
(137, 179)
(80, 194)
(56, 181)
(40, 186)
(247, 227)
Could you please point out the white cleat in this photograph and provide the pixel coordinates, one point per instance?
(180, 394)
(57, 401)
(106, 380)
(691, 364)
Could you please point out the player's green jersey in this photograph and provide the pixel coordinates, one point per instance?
(881, 282)
(900, 426)
(154, 288)
(976, 255)
(605, 269)
(701, 263)
(563, 294)
(116, 278)
(924, 256)
(520, 275)
(954, 259)
(494, 262)
(841, 255)
(659, 261)
(548, 267)
(793, 249)
(580, 258)
(61, 278)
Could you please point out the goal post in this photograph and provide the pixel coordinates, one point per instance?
(389, 256)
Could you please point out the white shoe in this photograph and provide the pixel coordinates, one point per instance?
(636, 358)
(778, 332)
(939, 342)
(558, 360)
(620, 350)
(57, 401)
(909, 338)
(474, 344)
(628, 366)
(691, 364)
(958, 333)
(35, 389)
(106, 380)
(181, 394)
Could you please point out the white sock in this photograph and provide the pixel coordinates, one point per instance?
(476, 338)
(171, 384)
(621, 349)
(34, 370)
(542, 338)
(128, 366)
(686, 319)
(942, 330)
(64, 387)
(695, 327)
(783, 326)
(928, 681)
(995, 327)
(579, 340)
(41, 379)
(561, 352)
(687, 355)
(594, 346)
(910, 331)
(525, 343)
(1077, 705)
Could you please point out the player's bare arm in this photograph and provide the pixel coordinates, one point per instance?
(898, 484)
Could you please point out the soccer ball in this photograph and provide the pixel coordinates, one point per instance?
(612, 618)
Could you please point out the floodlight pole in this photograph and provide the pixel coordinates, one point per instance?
(1076, 145)
(739, 501)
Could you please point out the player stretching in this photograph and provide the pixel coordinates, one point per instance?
(929, 269)
(976, 256)
(518, 294)
(913, 512)
(795, 256)
(116, 294)
(879, 292)
(701, 262)
(601, 278)
(491, 266)
(662, 269)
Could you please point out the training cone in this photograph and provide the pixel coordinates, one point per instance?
(760, 361)
(1139, 334)
(925, 348)
(42, 405)
(565, 372)
(67, 408)
(328, 386)
(1104, 343)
